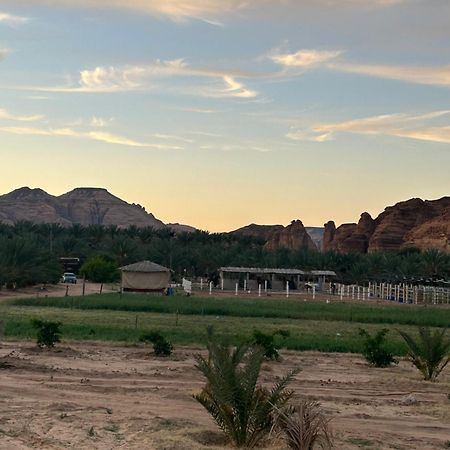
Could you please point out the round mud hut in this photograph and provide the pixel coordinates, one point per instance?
(145, 276)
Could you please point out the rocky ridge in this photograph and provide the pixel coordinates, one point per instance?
(414, 223)
(85, 206)
(417, 223)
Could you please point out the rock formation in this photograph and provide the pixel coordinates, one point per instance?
(413, 223)
(263, 232)
(293, 237)
(329, 233)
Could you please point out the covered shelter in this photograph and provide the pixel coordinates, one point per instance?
(321, 277)
(145, 276)
(251, 277)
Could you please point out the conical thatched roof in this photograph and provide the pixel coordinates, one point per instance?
(144, 266)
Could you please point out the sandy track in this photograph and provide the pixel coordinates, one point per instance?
(57, 290)
(101, 396)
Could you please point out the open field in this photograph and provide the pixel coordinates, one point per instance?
(89, 394)
(312, 325)
(104, 396)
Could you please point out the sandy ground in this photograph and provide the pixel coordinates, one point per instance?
(57, 290)
(104, 396)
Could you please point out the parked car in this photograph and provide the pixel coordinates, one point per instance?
(69, 277)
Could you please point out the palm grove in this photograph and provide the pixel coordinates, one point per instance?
(29, 254)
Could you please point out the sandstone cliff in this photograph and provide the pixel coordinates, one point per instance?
(263, 232)
(293, 237)
(278, 236)
(413, 223)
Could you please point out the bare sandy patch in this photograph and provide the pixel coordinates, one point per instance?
(104, 396)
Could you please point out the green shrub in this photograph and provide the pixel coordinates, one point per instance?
(430, 353)
(100, 270)
(268, 342)
(374, 350)
(48, 332)
(161, 346)
(243, 410)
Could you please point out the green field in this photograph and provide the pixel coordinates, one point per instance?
(312, 325)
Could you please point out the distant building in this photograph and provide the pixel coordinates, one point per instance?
(276, 279)
(70, 264)
(145, 276)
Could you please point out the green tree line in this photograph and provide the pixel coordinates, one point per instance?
(29, 254)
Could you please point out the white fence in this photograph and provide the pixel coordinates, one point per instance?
(401, 293)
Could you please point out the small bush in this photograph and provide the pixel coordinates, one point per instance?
(304, 426)
(161, 346)
(48, 333)
(374, 350)
(268, 342)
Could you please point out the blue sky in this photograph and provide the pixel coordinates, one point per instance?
(219, 114)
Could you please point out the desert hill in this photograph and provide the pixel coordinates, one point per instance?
(85, 206)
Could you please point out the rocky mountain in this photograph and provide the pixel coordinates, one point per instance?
(415, 223)
(295, 236)
(86, 206)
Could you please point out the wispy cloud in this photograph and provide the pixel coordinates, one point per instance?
(120, 79)
(12, 20)
(178, 10)
(173, 138)
(199, 110)
(100, 122)
(422, 127)
(108, 138)
(147, 77)
(6, 115)
(213, 11)
(305, 58)
(4, 52)
(435, 75)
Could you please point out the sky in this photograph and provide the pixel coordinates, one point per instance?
(219, 113)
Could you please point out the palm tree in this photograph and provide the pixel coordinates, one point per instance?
(430, 353)
(243, 410)
(305, 426)
(435, 263)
